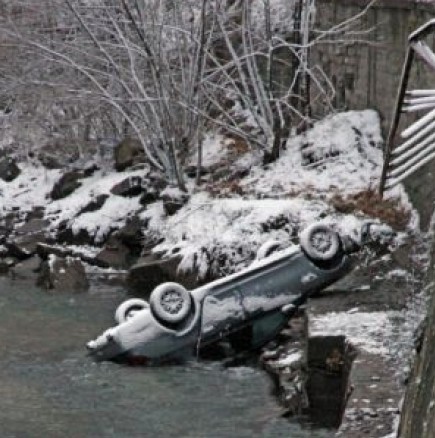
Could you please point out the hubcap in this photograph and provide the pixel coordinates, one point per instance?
(172, 302)
(322, 241)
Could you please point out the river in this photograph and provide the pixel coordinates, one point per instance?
(50, 388)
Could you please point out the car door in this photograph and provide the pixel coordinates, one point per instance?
(222, 312)
(272, 286)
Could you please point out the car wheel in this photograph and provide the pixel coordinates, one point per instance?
(320, 242)
(128, 308)
(267, 249)
(170, 302)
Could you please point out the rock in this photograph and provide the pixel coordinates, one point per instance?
(129, 187)
(150, 271)
(63, 274)
(7, 224)
(8, 169)
(22, 245)
(152, 186)
(115, 254)
(44, 251)
(4, 266)
(49, 161)
(90, 170)
(37, 212)
(27, 268)
(173, 199)
(128, 152)
(131, 235)
(94, 204)
(33, 226)
(58, 153)
(66, 184)
(66, 235)
(148, 197)
(191, 171)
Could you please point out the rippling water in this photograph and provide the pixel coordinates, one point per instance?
(49, 388)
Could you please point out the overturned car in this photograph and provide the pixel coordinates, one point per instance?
(256, 301)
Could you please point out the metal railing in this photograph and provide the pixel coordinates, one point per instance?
(417, 146)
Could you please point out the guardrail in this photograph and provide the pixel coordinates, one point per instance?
(417, 146)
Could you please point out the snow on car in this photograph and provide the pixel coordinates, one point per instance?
(257, 301)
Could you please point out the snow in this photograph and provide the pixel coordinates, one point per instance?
(214, 150)
(347, 149)
(235, 225)
(113, 214)
(290, 359)
(367, 331)
(308, 278)
(220, 236)
(347, 146)
(281, 13)
(114, 210)
(31, 188)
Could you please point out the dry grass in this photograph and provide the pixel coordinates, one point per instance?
(225, 188)
(370, 203)
(237, 145)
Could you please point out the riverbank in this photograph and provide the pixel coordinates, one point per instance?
(107, 213)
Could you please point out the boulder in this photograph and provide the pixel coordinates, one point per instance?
(58, 153)
(66, 235)
(90, 170)
(37, 212)
(148, 197)
(33, 226)
(127, 153)
(8, 169)
(66, 184)
(44, 251)
(115, 254)
(5, 265)
(150, 271)
(173, 199)
(63, 274)
(129, 187)
(49, 161)
(25, 269)
(132, 236)
(152, 186)
(22, 245)
(94, 204)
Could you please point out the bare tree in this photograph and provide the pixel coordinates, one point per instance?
(166, 70)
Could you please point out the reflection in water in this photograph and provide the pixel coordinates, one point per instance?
(51, 389)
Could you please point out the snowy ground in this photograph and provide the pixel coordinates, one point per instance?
(340, 155)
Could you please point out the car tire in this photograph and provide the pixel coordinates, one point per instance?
(125, 310)
(267, 249)
(320, 242)
(170, 302)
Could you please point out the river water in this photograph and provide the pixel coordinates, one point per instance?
(50, 388)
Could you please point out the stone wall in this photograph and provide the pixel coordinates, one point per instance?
(366, 70)
(418, 419)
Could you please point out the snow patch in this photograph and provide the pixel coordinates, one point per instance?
(341, 153)
(364, 330)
